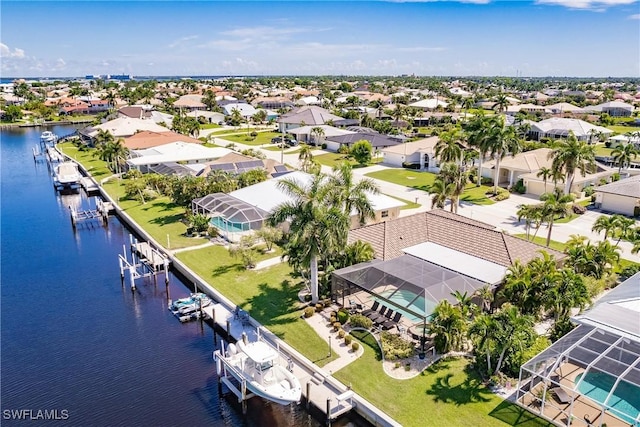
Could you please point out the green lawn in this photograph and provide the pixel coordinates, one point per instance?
(408, 204)
(601, 150)
(449, 393)
(269, 295)
(623, 129)
(96, 167)
(333, 159)
(210, 126)
(424, 180)
(542, 240)
(244, 138)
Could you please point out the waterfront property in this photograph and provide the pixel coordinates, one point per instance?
(591, 376)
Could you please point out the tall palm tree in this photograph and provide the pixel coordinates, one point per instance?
(501, 103)
(351, 195)
(455, 179)
(555, 206)
(476, 136)
(623, 154)
(569, 291)
(545, 173)
(318, 134)
(316, 227)
(449, 148)
(501, 140)
(305, 157)
(448, 325)
(571, 155)
(484, 333)
(440, 191)
(606, 223)
(515, 331)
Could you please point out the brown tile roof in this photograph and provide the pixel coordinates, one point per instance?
(149, 139)
(450, 230)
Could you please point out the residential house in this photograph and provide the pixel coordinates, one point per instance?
(190, 102)
(378, 142)
(421, 152)
(124, 126)
(621, 197)
(306, 133)
(150, 139)
(185, 153)
(560, 127)
(306, 116)
(614, 108)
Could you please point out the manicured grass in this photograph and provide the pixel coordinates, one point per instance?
(424, 180)
(449, 393)
(333, 159)
(96, 167)
(210, 126)
(240, 130)
(269, 295)
(408, 204)
(601, 150)
(405, 177)
(623, 129)
(244, 138)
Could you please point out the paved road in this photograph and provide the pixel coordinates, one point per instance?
(502, 215)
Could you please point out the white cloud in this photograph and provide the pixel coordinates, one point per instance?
(598, 5)
(421, 49)
(636, 16)
(181, 41)
(6, 52)
(433, 1)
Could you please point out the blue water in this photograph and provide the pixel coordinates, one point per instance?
(404, 298)
(75, 339)
(225, 226)
(625, 399)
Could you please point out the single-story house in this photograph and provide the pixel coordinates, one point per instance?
(560, 127)
(614, 108)
(263, 198)
(310, 115)
(209, 116)
(175, 152)
(421, 152)
(424, 258)
(236, 163)
(246, 110)
(190, 102)
(429, 104)
(526, 166)
(621, 197)
(306, 133)
(149, 139)
(565, 108)
(590, 376)
(125, 126)
(378, 141)
(512, 110)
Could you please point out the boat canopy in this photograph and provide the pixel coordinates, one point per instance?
(259, 352)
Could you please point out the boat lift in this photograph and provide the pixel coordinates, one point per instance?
(145, 262)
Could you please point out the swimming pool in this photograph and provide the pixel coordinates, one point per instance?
(226, 226)
(625, 399)
(405, 298)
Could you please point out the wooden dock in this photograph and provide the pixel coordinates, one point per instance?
(148, 255)
(89, 185)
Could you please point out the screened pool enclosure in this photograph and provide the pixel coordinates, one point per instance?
(229, 215)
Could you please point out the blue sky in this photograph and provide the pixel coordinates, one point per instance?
(428, 37)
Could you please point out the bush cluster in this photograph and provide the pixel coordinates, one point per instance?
(502, 195)
(343, 316)
(348, 339)
(308, 312)
(360, 321)
(578, 209)
(395, 347)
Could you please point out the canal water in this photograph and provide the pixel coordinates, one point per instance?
(78, 344)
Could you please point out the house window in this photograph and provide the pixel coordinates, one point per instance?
(384, 214)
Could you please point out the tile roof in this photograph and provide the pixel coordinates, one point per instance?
(149, 139)
(629, 187)
(450, 230)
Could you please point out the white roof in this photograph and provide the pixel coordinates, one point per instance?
(127, 126)
(429, 103)
(268, 196)
(565, 106)
(258, 351)
(328, 130)
(176, 152)
(459, 262)
(578, 127)
(246, 110)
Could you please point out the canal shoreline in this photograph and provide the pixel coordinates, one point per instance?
(361, 406)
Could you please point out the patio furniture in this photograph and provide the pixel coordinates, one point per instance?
(376, 317)
(392, 322)
(384, 318)
(561, 395)
(373, 309)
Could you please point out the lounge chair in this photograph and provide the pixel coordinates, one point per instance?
(373, 309)
(561, 395)
(385, 318)
(378, 317)
(392, 322)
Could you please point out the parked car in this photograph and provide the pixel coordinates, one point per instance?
(278, 139)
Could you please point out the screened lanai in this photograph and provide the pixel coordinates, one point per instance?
(406, 284)
(228, 214)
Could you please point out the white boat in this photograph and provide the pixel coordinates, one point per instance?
(257, 364)
(66, 174)
(188, 305)
(48, 137)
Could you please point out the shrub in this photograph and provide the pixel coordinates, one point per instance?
(615, 177)
(519, 187)
(410, 165)
(502, 195)
(348, 339)
(319, 307)
(396, 365)
(588, 190)
(562, 327)
(486, 181)
(578, 209)
(324, 146)
(343, 316)
(333, 319)
(407, 367)
(628, 271)
(336, 326)
(355, 346)
(308, 312)
(254, 134)
(307, 298)
(394, 347)
(341, 333)
(343, 149)
(360, 321)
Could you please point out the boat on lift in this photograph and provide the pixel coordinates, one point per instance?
(194, 302)
(66, 175)
(257, 364)
(48, 138)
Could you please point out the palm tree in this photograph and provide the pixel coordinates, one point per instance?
(531, 215)
(604, 257)
(486, 294)
(318, 134)
(307, 162)
(606, 223)
(484, 333)
(351, 195)
(514, 331)
(555, 206)
(448, 325)
(501, 103)
(571, 155)
(545, 173)
(501, 140)
(356, 253)
(455, 179)
(623, 154)
(449, 148)
(476, 136)
(440, 192)
(569, 291)
(623, 227)
(316, 227)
